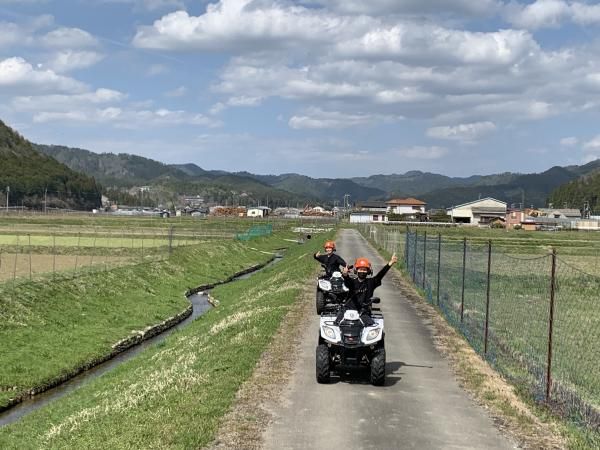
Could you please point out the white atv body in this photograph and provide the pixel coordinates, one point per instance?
(351, 345)
(331, 291)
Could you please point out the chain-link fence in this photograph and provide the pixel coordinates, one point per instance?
(536, 319)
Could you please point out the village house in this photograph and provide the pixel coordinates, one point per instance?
(258, 211)
(410, 208)
(478, 212)
(369, 212)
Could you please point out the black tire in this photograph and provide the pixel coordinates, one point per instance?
(378, 367)
(320, 302)
(322, 364)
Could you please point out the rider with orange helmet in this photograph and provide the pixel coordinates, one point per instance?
(362, 287)
(330, 260)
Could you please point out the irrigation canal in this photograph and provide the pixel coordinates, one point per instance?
(200, 305)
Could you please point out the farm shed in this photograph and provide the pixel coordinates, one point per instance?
(478, 212)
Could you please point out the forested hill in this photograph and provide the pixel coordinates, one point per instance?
(30, 175)
(576, 193)
(112, 169)
(530, 189)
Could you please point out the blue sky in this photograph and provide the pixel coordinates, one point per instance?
(325, 88)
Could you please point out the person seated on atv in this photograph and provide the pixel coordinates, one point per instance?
(362, 288)
(330, 260)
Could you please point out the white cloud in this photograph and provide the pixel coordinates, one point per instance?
(585, 14)
(68, 60)
(245, 24)
(150, 5)
(16, 74)
(424, 42)
(68, 38)
(177, 92)
(376, 7)
(593, 144)
(128, 118)
(552, 14)
(465, 132)
(217, 108)
(569, 141)
(236, 101)
(154, 5)
(63, 103)
(318, 119)
(10, 34)
(157, 69)
(8, 2)
(244, 100)
(421, 152)
(541, 13)
(44, 117)
(23, 34)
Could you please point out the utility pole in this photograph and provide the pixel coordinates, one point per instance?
(7, 192)
(45, 199)
(346, 204)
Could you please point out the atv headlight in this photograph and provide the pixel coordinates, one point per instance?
(325, 285)
(373, 334)
(329, 333)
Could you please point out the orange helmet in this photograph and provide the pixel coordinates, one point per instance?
(329, 244)
(362, 263)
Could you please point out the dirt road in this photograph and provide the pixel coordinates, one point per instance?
(421, 405)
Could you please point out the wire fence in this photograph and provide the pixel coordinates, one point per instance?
(38, 255)
(536, 319)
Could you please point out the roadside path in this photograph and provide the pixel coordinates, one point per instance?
(421, 405)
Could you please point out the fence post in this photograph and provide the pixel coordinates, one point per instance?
(462, 295)
(16, 258)
(54, 255)
(77, 255)
(439, 266)
(424, 256)
(414, 277)
(94, 250)
(29, 245)
(487, 299)
(406, 241)
(170, 240)
(551, 326)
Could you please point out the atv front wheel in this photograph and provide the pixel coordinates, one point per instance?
(378, 368)
(320, 302)
(322, 365)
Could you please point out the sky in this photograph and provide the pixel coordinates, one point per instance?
(324, 88)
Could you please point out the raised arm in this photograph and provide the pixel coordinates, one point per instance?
(384, 269)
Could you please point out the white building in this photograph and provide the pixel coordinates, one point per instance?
(482, 211)
(258, 211)
(406, 206)
(565, 213)
(369, 212)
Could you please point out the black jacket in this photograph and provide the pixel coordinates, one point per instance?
(331, 262)
(362, 291)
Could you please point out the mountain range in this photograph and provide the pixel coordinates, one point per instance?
(438, 191)
(80, 175)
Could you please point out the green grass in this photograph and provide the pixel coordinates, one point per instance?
(519, 306)
(50, 327)
(174, 395)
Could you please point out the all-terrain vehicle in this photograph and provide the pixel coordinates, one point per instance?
(330, 291)
(351, 345)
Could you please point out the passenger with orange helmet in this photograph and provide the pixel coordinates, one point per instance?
(362, 287)
(330, 260)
